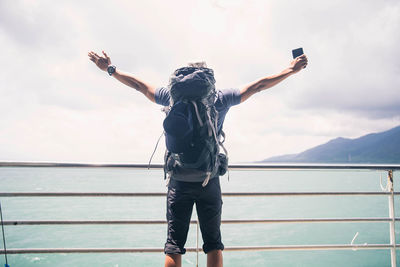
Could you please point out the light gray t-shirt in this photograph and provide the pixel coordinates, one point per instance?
(225, 99)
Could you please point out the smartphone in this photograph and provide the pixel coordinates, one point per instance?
(297, 52)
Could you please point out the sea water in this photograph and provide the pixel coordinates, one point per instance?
(25, 179)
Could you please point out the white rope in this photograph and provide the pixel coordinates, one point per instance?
(207, 179)
(197, 113)
(212, 127)
(155, 149)
(354, 238)
(168, 179)
(225, 151)
(352, 242)
(384, 189)
(209, 128)
(216, 118)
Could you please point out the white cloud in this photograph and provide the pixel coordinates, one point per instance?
(57, 106)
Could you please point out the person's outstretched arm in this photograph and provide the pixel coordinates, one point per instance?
(296, 65)
(104, 61)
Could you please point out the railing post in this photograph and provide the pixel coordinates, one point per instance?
(392, 217)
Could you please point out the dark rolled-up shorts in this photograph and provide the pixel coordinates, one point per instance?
(180, 199)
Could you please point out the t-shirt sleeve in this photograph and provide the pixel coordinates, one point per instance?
(162, 96)
(231, 97)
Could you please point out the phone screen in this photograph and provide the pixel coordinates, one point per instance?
(297, 52)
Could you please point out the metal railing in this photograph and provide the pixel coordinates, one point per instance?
(390, 193)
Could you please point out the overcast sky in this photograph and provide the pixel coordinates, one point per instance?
(55, 104)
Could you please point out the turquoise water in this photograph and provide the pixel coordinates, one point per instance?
(14, 179)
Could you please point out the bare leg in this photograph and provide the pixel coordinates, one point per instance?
(214, 258)
(173, 260)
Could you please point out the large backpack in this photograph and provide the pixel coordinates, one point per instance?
(192, 136)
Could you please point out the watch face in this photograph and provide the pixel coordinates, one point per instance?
(111, 69)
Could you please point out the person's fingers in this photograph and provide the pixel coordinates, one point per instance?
(303, 60)
(93, 55)
(92, 58)
(107, 57)
(96, 55)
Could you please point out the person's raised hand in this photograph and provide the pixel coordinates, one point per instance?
(299, 63)
(101, 61)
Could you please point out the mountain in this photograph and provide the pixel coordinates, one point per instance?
(383, 147)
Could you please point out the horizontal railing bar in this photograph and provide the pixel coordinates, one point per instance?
(80, 194)
(232, 166)
(159, 194)
(149, 250)
(393, 167)
(249, 221)
(261, 194)
(310, 247)
(80, 165)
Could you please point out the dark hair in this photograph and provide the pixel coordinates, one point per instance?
(201, 64)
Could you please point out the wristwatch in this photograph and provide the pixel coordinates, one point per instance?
(111, 69)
